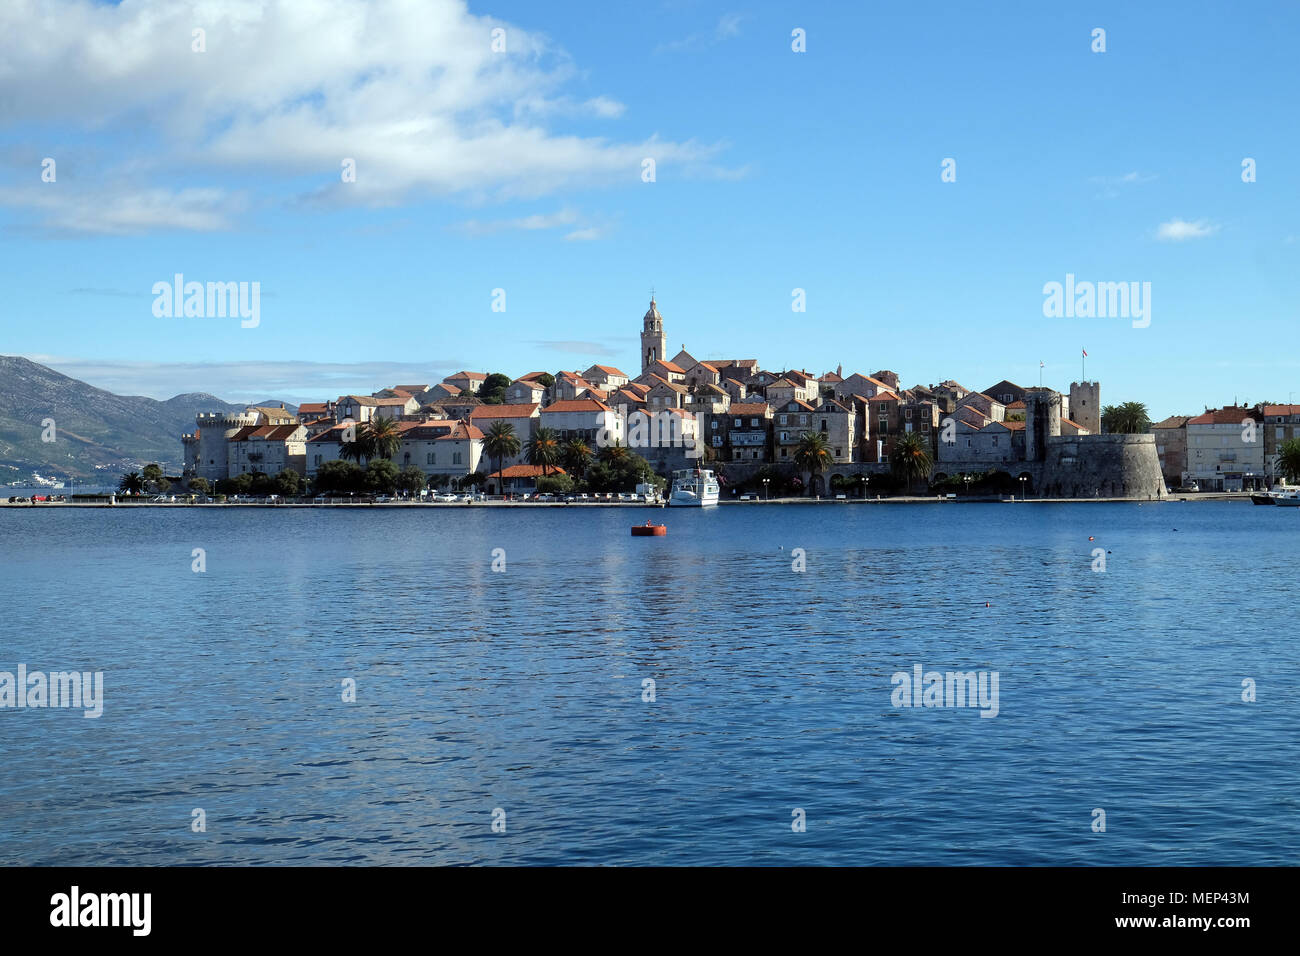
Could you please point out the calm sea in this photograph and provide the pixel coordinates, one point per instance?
(522, 690)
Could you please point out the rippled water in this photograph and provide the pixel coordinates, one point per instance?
(522, 690)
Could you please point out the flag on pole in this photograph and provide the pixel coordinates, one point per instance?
(1040, 363)
(1085, 353)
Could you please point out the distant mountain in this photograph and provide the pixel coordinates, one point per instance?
(97, 434)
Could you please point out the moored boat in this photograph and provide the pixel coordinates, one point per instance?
(1290, 499)
(693, 488)
(1263, 498)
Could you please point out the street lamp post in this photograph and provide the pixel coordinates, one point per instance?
(765, 482)
(1022, 487)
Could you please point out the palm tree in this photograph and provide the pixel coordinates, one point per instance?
(383, 436)
(812, 454)
(501, 443)
(360, 448)
(910, 460)
(577, 456)
(132, 483)
(1130, 418)
(613, 453)
(544, 449)
(1288, 460)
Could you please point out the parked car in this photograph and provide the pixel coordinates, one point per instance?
(749, 497)
(546, 497)
(444, 496)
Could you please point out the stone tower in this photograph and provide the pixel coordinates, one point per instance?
(214, 431)
(1042, 421)
(654, 344)
(1085, 405)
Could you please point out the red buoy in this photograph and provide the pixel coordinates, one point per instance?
(648, 530)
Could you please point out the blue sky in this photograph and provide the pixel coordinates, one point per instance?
(775, 170)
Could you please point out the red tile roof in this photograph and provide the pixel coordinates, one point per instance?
(1282, 409)
(610, 370)
(1232, 415)
(749, 408)
(576, 405)
(526, 471)
(503, 411)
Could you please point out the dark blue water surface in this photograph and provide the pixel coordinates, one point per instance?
(522, 690)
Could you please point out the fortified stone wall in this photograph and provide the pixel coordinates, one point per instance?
(1101, 466)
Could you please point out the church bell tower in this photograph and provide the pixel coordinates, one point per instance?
(653, 341)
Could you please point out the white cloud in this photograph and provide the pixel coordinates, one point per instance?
(1179, 230)
(586, 234)
(248, 381)
(287, 89)
(728, 26)
(565, 217)
(72, 209)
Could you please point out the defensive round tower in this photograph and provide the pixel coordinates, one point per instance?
(1085, 405)
(1042, 421)
(215, 429)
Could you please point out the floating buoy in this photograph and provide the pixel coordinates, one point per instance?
(1089, 537)
(648, 530)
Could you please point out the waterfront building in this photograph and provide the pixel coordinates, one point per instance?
(1221, 455)
(1281, 424)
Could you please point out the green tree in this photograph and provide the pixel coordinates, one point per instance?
(1288, 460)
(288, 483)
(339, 477)
(622, 473)
(200, 486)
(910, 460)
(555, 485)
(546, 380)
(411, 480)
(383, 436)
(812, 455)
(544, 449)
(615, 452)
(493, 389)
(500, 442)
(1130, 418)
(577, 457)
(381, 476)
(241, 484)
(131, 483)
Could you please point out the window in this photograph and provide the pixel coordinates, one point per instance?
(781, 419)
(431, 458)
(714, 424)
(837, 453)
(317, 461)
(737, 424)
(736, 455)
(823, 424)
(456, 458)
(753, 422)
(907, 413)
(803, 419)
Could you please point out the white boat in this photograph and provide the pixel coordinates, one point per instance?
(1290, 499)
(693, 488)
